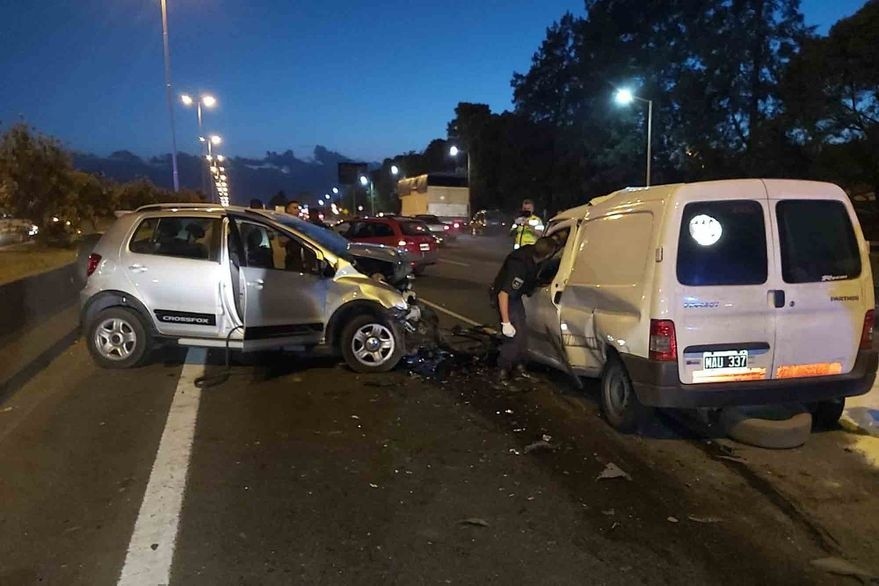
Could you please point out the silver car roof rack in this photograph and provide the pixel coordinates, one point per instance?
(177, 205)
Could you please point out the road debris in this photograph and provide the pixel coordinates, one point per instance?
(373, 485)
(474, 521)
(6, 409)
(696, 519)
(841, 567)
(613, 471)
(672, 519)
(538, 445)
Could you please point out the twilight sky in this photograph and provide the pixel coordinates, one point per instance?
(367, 78)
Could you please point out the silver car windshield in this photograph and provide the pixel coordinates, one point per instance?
(323, 236)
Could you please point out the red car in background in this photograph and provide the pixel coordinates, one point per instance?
(405, 234)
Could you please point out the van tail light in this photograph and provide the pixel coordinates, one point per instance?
(663, 342)
(446, 227)
(867, 332)
(401, 243)
(94, 261)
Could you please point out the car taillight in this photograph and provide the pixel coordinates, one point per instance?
(867, 332)
(663, 342)
(445, 227)
(456, 225)
(94, 260)
(401, 243)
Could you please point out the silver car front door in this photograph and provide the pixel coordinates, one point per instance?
(283, 287)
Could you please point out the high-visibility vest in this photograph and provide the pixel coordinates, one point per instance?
(528, 231)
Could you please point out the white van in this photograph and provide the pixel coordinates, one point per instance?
(737, 292)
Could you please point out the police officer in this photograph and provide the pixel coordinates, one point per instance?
(528, 226)
(517, 276)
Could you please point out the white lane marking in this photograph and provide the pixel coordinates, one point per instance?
(453, 262)
(159, 514)
(457, 316)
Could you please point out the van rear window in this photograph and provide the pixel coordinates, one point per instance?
(722, 243)
(818, 242)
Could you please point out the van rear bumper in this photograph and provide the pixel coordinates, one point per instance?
(657, 384)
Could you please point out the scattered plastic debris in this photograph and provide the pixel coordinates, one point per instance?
(613, 471)
(538, 445)
(841, 567)
(672, 519)
(474, 521)
(373, 485)
(696, 519)
(546, 437)
(6, 409)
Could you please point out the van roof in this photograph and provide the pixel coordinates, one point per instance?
(777, 188)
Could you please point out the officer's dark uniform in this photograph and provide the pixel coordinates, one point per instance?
(517, 277)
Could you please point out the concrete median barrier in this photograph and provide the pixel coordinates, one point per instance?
(38, 320)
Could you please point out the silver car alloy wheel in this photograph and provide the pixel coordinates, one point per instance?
(115, 339)
(373, 344)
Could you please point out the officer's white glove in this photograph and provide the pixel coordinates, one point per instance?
(508, 329)
(520, 221)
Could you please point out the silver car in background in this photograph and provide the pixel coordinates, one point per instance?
(208, 276)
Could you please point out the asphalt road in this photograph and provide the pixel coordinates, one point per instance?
(297, 471)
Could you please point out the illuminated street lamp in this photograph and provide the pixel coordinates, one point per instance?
(335, 191)
(395, 170)
(320, 202)
(364, 181)
(207, 101)
(624, 97)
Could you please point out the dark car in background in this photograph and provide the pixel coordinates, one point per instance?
(439, 228)
(408, 235)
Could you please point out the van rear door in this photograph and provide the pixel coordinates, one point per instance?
(826, 281)
(723, 310)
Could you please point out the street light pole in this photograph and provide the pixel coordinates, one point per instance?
(169, 92)
(625, 96)
(649, 138)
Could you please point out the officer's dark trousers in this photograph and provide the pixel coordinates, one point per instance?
(513, 350)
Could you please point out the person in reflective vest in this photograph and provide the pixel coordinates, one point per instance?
(528, 227)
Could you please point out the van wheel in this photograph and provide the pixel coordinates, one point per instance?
(619, 403)
(370, 344)
(117, 338)
(826, 414)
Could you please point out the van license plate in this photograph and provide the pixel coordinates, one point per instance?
(424, 246)
(725, 359)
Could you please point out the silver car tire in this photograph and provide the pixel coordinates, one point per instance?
(370, 344)
(117, 338)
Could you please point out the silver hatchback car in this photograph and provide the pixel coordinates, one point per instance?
(236, 278)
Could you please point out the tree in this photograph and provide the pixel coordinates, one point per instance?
(831, 94)
(35, 173)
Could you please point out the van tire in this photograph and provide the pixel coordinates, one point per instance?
(777, 427)
(826, 414)
(619, 402)
(362, 328)
(118, 321)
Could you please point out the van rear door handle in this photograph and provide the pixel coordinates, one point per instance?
(778, 298)
(257, 284)
(137, 268)
(557, 298)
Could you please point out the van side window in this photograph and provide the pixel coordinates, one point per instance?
(722, 243)
(817, 241)
(194, 238)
